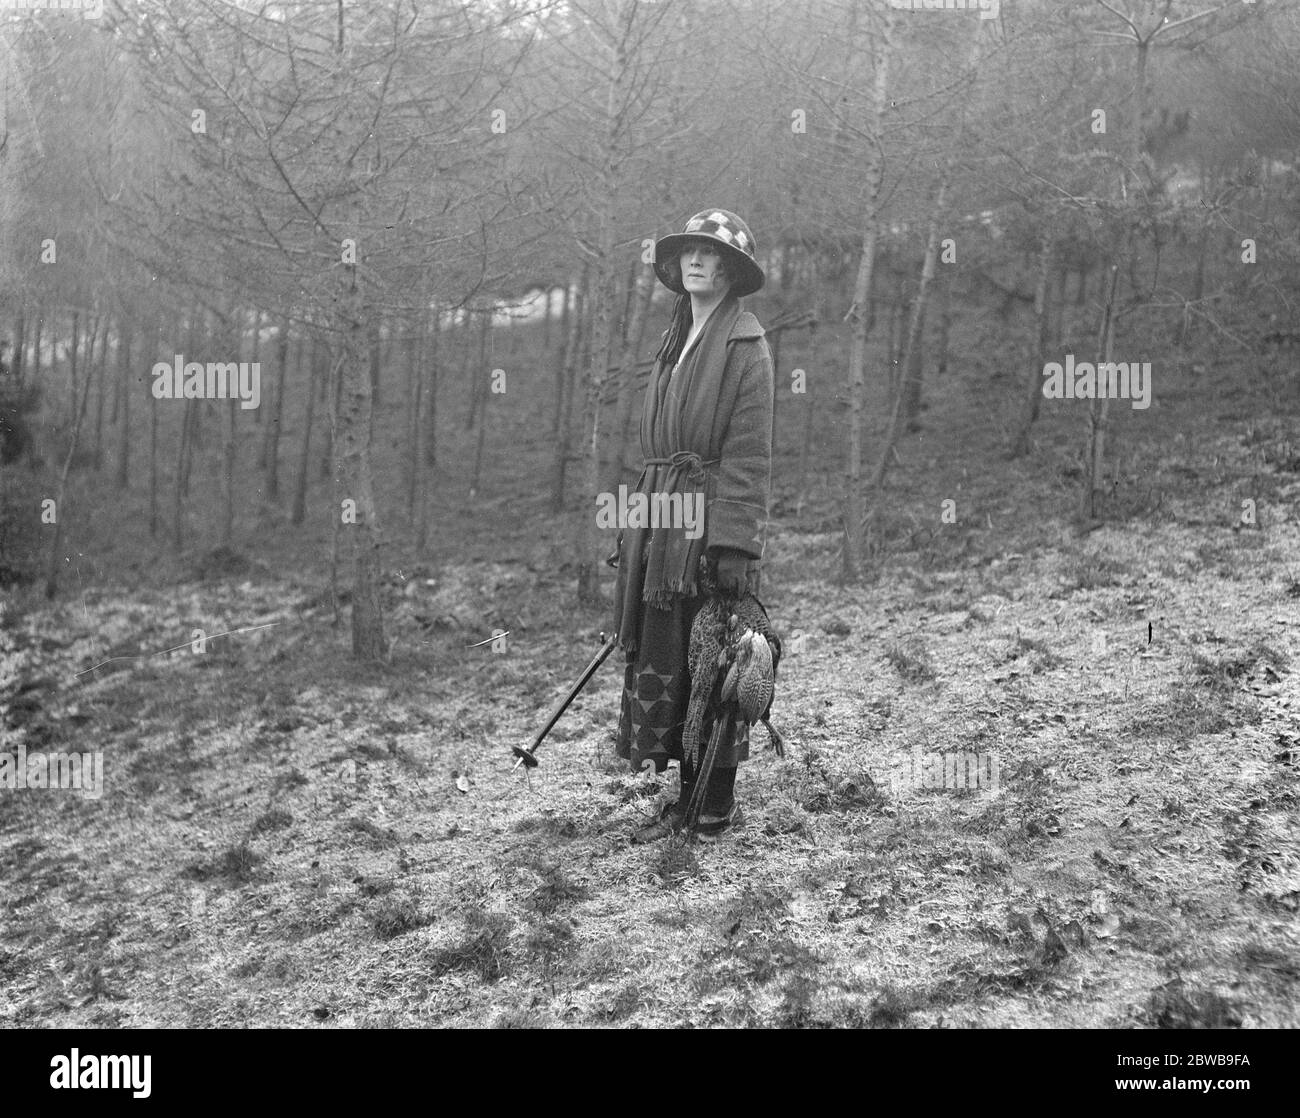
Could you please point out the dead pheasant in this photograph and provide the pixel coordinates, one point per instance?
(705, 658)
(752, 680)
(732, 641)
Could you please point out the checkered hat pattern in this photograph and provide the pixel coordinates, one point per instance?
(723, 228)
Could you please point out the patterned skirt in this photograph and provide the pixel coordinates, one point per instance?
(657, 689)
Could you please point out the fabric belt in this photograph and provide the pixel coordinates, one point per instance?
(686, 459)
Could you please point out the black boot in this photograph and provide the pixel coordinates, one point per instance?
(672, 815)
(720, 812)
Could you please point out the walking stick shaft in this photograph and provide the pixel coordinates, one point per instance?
(525, 756)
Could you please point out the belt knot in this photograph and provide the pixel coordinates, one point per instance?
(688, 460)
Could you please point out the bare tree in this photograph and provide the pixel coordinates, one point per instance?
(308, 136)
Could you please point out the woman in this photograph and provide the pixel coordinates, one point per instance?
(706, 432)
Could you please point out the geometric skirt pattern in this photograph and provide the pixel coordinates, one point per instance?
(657, 690)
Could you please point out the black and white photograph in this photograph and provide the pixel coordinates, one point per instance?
(650, 514)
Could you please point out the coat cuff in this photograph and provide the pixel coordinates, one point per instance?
(738, 525)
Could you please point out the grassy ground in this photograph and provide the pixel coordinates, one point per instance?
(288, 838)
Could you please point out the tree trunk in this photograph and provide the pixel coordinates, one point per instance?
(56, 544)
(626, 323)
(775, 346)
(567, 296)
(1198, 283)
(190, 417)
(228, 511)
(810, 409)
(155, 335)
(431, 395)
(153, 470)
(333, 401)
(914, 365)
(429, 341)
(255, 357)
(899, 312)
(627, 387)
(474, 379)
(179, 490)
(568, 378)
(194, 417)
(911, 356)
(189, 427)
(943, 296)
(115, 389)
(352, 446)
(414, 390)
(482, 374)
(1059, 304)
(299, 512)
(101, 386)
(72, 361)
(598, 355)
(336, 502)
(231, 328)
(1042, 320)
(124, 391)
(20, 345)
(851, 504)
(375, 337)
(852, 500)
(271, 443)
(36, 347)
(1099, 410)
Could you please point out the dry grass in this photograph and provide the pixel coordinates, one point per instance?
(289, 838)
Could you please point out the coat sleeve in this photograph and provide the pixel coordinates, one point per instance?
(737, 514)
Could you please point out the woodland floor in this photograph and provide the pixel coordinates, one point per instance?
(287, 838)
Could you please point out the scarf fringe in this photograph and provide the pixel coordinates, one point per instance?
(663, 597)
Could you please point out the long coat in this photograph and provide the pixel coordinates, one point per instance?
(741, 440)
(737, 438)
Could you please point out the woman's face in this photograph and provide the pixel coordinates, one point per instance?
(703, 272)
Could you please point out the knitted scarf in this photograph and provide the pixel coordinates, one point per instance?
(676, 431)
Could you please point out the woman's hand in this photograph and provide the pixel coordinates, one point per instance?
(733, 572)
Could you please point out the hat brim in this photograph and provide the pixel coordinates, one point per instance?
(749, 276)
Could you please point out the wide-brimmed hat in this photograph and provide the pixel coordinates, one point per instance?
(724, 229)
